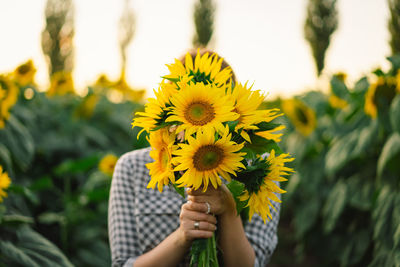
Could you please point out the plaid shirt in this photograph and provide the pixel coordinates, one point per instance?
(140, 218)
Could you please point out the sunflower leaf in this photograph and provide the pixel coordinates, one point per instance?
(390, 154)
(174, 80)
(165, 124)
(334, 205)
(265, 126)
(232, 125)
(395, 60)
(179, 190)
(339, 88)
(237, 189)
(394, 113)
(259, 146)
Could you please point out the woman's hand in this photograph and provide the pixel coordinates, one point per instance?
(195, 223)
(220, 200)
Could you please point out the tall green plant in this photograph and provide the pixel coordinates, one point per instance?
(204, 22)
(57, 37)
(321, 22)
(394, 25)
(126, 31)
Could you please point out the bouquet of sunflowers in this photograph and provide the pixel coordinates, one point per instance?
(204, 128)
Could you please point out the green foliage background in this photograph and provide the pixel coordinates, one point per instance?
(342, 205)
(56, 211)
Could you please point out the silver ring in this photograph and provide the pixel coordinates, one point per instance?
(196, 225)
(208, 207)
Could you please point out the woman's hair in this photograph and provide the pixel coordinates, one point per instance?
(193, 53)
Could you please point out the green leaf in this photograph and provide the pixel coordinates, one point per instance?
(390, 154)
(16, 219)
(367, 136)
(174, 80)
(339, 88)
(378, 72)
(5, 159)
(334, 205)
(259, 146)
(395, 113)
(306, 215)
(396, 237)
(395, 60)
(19, 142)
(340, 153)
(265, 126)
(179, 190)
(34, 243)
(52, 217)
(232, 125)
(95, 135)
(14, 255)
(237, 189)
(382, 216)
(362, 192)
(361, 86)
(43, 183)
(77, 166)
(356, 247)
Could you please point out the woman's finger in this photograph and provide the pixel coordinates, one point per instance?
(197, 216)
(200, 206)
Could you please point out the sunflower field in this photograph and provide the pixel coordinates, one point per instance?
(342, 204)
(58, 150)
(57, 154)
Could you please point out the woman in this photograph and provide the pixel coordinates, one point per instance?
(149, 228)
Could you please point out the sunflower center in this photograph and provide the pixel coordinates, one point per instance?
(23, 69)
(199, 113)
(301, 115)
(384, 94)
(61, 81)
(208, 157)
(163, 158)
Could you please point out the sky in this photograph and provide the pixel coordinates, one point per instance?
(261, 39)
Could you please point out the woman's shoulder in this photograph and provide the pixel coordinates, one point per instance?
(131, 157)
(132, 163)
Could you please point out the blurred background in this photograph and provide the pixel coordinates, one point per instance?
(73, 74)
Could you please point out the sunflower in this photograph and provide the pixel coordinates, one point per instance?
(61, 83)
(247, 103)
(341, 76)
(204, 159)
(127, 91)
(259, 199)
(201, 107)
(398, 81)
(302, 117)
(379, 95)
(205, 69)
(107, 164)
(8, 98)
(337, 102)
(5, 182)
(155, 110)
(271, 134)
(161, 170)
(25, 73)
(103, 81)
(87, 106)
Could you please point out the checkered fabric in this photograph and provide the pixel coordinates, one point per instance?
(140, 218)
